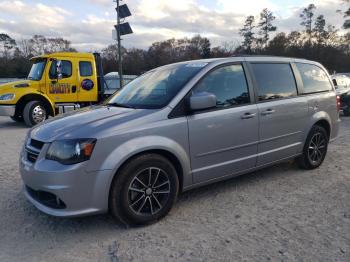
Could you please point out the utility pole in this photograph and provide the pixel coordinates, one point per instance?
(120, 60)
(121, 29)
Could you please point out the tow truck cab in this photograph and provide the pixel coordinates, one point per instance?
(57, 83)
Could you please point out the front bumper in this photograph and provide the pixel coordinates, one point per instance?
(7, 110)
(77, 192)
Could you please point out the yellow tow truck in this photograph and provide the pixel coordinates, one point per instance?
(57, 83)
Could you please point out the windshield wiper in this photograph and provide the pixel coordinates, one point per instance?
(120, 105)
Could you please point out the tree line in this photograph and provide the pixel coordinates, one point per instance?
(317, 41)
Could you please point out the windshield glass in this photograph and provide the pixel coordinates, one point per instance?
(112, 84)
(156, 88)
(37, 70)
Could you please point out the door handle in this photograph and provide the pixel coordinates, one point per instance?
(74, 89)
(268, 112)
(248, 116)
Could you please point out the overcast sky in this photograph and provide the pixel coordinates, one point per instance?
(88, 23)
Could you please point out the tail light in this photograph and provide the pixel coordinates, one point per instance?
(338, 103)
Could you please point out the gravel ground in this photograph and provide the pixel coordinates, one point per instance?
(277, 214)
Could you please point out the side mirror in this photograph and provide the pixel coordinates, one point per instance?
(59, 69)
(202, 100)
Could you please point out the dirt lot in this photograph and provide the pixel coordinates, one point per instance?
(278, 214)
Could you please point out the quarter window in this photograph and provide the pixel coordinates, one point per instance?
(228, 84)
(314, 78)
(275, 81)
(66, 69)
(85, 68)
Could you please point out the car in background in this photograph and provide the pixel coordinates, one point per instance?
(112, 83)
(342, 86)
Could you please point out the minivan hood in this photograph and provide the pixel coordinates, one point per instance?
(91, 119)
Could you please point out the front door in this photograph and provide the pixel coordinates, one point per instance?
(282, 113)
(223, 141)
(65, 89)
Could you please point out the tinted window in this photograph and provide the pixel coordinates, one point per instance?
(314, 78)
(156, 88)
(274, 81)
(228, 84)
(85, 68)
(66, 69)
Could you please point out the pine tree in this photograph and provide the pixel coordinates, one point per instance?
(306, 16)
(266, 26)
(248, 34)
(319, 29)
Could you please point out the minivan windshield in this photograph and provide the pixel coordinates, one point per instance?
(155, 89)
(37, 69)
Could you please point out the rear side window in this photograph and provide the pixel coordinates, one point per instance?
(275, 81)
(228, 84)
(314, 78)
(85, 68)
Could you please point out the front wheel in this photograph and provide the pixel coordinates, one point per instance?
(144, 190)
(34, 113)
(315, 148)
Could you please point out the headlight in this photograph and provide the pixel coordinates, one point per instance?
(69, 152)
(7, 97)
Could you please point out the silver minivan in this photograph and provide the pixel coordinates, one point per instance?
(178, 127)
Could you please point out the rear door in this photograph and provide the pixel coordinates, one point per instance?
(87, 81)
(223, 140)
(282, 113)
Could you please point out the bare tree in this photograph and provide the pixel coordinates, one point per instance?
(7, 44)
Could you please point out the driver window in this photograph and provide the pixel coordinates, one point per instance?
(66, 69)
(228, 84)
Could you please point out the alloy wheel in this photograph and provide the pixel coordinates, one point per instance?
(317, 148)
(149, 191)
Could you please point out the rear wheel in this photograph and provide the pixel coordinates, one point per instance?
(144, 190)
(34, 113)
(346, 112)
(315, 148)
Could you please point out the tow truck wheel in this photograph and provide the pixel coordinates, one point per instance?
(34, 113)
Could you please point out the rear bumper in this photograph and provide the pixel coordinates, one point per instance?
(7, 110)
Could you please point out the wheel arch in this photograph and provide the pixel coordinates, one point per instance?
(325, 124)
(171, 157)
(31, 97)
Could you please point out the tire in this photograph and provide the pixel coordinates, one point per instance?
(18, 119)
(315, 148)
(34, 113)
(346, 112)
(134, 200)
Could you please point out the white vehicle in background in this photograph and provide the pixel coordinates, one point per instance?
(341, 83)
(112, 83)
